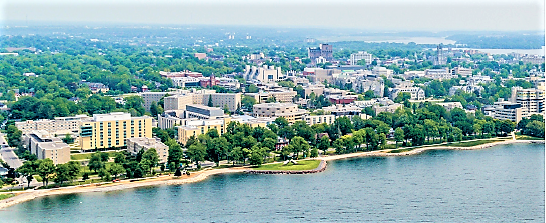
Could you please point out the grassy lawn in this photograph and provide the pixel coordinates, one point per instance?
(302, 165)
(5, 196)
(473, 143)
(401, 150)
(519, 136)
(85, 156)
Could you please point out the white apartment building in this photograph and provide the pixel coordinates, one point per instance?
(417, 93)
(382, 71)
(355, 57)
(319, 119)
(287, 110)
(532, 100)
(59, 125)
(150, 97)
(265, 74)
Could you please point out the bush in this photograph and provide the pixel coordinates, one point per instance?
(85, 176)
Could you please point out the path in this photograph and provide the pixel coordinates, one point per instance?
(8, 154)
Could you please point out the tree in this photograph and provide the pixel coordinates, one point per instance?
(256, 158)
(196, 152)
(236, 154)
(210, 104)
(314, 152)
(507, 126)
(155, 109)
(403, 96)
(175, 153)
(271, 99)
(150, 159)
(95, 162)
(372, 139)
(299, 145)
(217, 149)
(68, 139)
(324, 144)
(398, 135)
(116, 169)
(45, 169)
(281, 122)
(382, 140)
(369, 111)
(248, 102)
(534, 128)
(67, 172)
(27, 170)
(343, 124)
(119, 158)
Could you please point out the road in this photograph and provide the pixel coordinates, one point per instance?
(8, 155)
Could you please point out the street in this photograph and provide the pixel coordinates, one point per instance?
(8, 155)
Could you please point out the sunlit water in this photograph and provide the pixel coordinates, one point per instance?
(504, 183)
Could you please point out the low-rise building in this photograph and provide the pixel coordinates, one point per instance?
(319, 119)
(57, 126)
(203, 112)
(287, 110)
(44, 146)
(451, 105)
(416, 93)
(379, 71)
(506, 110)
(134, 145)
(386, 108)
(198, 127)
(464, 72)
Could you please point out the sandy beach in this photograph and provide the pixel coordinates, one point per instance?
(22, 196)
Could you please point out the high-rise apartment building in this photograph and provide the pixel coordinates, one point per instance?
(112, 130)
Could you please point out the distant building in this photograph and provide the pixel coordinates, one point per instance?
(450, 105)
(150, 97)
(464, 72)
(319, 119)
(265, 74)
(200, 56)
(203, 112)
(386, 108)
(417, 93)
(211, 81)
(382, 71)
(287, 110)
(355, 57)
(324, 50)
(96, 87)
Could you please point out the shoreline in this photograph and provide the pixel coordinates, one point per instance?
(22, 196)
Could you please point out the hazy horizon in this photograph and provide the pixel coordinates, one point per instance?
(390, 15)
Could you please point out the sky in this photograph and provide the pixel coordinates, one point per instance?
(405, 15)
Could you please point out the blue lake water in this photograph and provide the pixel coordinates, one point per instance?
(499, 184)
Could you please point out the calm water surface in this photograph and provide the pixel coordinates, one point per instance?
(501, 184)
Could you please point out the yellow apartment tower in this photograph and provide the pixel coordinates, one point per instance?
(112, 130)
